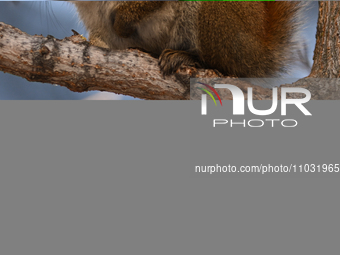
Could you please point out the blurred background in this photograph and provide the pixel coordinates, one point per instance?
(57, 18)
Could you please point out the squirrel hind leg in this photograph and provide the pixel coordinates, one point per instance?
(171, 60)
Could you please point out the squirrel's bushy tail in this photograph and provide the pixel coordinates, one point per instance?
(283, 22)
(248, 39)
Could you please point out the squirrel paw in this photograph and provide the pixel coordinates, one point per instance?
(171, 60)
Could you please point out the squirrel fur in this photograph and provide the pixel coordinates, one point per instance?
(243, 39)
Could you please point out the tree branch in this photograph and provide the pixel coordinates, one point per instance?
(79, 66)
(76, 64)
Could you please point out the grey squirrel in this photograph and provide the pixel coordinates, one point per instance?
(243, 39)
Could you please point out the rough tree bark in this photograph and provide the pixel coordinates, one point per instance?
(327, 49)
(79, 66)
(74, 63)
(323, 81)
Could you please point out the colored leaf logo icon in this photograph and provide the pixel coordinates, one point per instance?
(213, 90)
